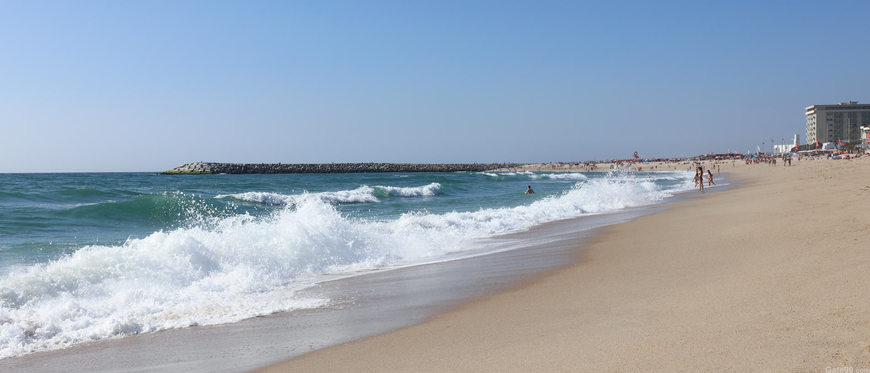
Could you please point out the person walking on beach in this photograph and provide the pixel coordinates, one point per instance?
(700, 176)
(529, 190)
(710, 178)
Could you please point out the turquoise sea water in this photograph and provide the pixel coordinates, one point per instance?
(85, 257)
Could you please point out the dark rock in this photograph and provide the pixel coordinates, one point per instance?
(329, 168)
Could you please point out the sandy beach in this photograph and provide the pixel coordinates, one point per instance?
(771, 275)
(345, 186)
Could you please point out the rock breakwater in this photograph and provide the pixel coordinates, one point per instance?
(328, 168)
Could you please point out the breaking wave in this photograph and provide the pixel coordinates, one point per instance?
(562, 176)
(243, 266)
(363, 194)
(421, 191)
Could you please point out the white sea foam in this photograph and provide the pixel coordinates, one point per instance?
(421, 191)
(244, 266)
(505, 173)
(261, 197)
(363, 194)
(565, 176)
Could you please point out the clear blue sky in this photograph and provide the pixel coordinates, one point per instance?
(149, 85)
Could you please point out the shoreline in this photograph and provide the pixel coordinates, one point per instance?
(751, 279)
(409, 294)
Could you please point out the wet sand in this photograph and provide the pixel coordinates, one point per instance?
(772, 275)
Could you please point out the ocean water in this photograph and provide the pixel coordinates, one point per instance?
(86, 257)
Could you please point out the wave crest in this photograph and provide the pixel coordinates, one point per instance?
(242, 266)
(363, 194)
(421, 191)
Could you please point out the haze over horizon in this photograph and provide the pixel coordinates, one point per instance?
(147, 86)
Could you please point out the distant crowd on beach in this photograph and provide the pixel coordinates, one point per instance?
(707, 162)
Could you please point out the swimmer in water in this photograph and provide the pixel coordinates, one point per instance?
(529, 190)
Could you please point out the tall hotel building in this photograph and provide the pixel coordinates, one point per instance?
(829, 123)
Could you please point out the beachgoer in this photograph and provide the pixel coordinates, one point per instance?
(529, 190)
(710, 178)
(701, 179)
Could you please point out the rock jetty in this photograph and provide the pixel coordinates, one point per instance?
(328, 168)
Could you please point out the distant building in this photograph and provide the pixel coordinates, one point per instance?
(782, 149)
(786, 148)
(829, 123)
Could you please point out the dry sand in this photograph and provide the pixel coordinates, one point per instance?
(772, 275)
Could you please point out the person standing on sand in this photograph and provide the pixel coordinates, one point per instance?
(700, 175)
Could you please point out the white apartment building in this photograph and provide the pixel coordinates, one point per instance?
(829, 123)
